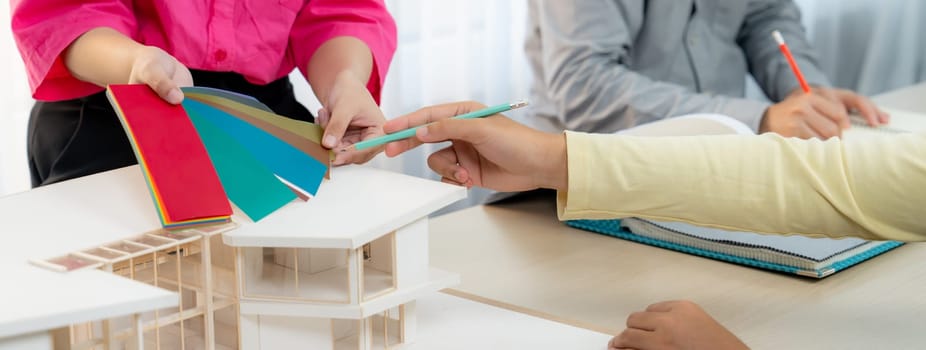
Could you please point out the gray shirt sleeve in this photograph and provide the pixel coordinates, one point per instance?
(766, 63)
(584, 46)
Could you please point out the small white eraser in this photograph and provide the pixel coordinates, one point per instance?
(778, 37)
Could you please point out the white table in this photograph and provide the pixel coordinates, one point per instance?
(517, 253)
(453, 323)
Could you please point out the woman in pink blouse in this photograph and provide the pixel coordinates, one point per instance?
(73, 48)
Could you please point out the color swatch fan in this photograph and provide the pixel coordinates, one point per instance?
(257, 159)
(184, 185)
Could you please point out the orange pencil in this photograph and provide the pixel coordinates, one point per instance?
(794, 68)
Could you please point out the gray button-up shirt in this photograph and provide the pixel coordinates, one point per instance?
(607, 65)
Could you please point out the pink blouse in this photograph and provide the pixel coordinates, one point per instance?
(260, 39)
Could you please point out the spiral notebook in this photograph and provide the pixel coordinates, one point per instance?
(811, 257)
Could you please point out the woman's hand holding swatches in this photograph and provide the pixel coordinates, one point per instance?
(160, 71)
(350, 116)
(338, 73)
(126, 62)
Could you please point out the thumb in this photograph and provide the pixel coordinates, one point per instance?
(162, 84)
(337, 125)
(468, 130)
(182, 76)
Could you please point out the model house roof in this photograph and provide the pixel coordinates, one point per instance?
(92, 211)
(359, 204)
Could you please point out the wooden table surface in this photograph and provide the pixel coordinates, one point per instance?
(516, 253)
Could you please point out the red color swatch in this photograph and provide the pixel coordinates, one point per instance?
(179, 172)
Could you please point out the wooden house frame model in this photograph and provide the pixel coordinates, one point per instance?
(340, 271)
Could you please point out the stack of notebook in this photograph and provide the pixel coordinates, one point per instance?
(812, 257)
(215, 147)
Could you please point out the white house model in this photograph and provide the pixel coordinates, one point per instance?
(340, 271)
(343, 270)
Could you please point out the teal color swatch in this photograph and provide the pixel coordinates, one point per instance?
(284, 160)
(248, 183)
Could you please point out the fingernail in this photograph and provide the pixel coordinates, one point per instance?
(175, 96)
(422, 132)
(330, 141)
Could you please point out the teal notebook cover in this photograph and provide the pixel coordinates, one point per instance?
(811, 257)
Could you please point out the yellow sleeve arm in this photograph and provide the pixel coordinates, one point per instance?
(873, 188)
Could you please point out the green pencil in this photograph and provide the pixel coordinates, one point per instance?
(410, 132)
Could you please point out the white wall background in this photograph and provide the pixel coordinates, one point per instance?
(867, 46)
(457, 50)
(15, 102)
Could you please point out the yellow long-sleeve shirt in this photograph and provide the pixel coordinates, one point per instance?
(873, 188)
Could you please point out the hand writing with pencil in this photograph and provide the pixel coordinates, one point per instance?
(855, 103)
(823, 113)
(815, 112)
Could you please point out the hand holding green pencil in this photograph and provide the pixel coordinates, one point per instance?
(494, 152)
(410, 132)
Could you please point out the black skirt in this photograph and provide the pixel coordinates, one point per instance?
(79, 137)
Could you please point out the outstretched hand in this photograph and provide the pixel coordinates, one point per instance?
(494, 152)
(161, 72)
